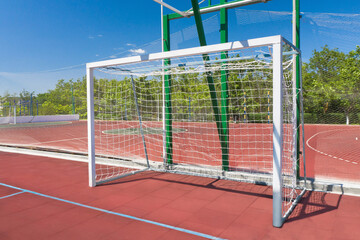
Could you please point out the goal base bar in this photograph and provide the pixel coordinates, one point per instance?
(121, 176)
(140, 165)
(291, 209)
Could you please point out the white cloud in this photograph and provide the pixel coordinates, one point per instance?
(113, 56)
(95, 36)
(138, 51)
(130, 44)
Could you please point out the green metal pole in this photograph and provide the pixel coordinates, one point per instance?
(210, 80)
(72, 97)
(198, 21)
(296, 40)
(224, 35)
(167, 86)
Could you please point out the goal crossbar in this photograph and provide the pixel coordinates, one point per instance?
(222, 47)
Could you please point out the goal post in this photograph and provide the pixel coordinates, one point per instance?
(130, 120)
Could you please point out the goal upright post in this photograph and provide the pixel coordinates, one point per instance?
(91, 126)
(277, 135)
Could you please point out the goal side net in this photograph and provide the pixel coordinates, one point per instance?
(223, 111)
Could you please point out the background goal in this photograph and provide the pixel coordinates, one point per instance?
(223, 111)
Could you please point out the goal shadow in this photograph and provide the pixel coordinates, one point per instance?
(256, 190)
(314, 204)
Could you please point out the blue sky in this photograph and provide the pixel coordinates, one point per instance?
(42, 41)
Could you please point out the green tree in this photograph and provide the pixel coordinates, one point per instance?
(348, 88)
(331, 83)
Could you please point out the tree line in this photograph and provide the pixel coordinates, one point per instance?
(331, 83)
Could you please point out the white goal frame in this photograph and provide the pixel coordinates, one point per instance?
(277, 55)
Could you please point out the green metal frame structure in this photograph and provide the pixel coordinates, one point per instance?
(167, 86)
(220, 117)
(224, 37)
(213, 7)
(296, 42)
(221, 114)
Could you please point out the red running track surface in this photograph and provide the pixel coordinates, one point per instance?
(332, 151)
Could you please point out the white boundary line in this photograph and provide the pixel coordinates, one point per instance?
(61, 140)
(64, 156)
(198, 234)
(325, 154)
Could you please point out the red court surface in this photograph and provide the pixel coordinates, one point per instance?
(332, 151)
(217, 208)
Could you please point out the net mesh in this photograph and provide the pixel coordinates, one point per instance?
(130, 129)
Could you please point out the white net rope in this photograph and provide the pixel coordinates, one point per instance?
(289, 158)
(129, 117)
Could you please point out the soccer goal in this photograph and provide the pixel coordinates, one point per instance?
(224, 111)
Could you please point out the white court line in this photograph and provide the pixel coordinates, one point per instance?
(328, 155)
(10, 195)
(62, 140)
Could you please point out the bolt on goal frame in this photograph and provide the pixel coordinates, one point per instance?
(128, 132)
